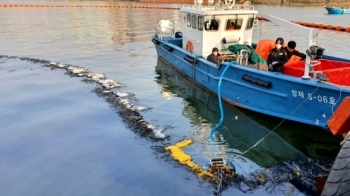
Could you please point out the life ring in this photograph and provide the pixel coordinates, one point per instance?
(189, 46)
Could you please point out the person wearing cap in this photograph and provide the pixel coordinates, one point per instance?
(214, 56)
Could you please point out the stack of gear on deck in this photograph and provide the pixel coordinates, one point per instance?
(254, 58)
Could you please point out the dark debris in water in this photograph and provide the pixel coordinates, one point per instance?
(130, 115)
(132, 118)
(277, 180)
(302, 174)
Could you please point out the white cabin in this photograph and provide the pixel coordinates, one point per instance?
(220, 25)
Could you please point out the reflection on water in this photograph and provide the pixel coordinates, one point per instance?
(241, 129)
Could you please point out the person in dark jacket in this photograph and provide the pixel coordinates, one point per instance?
(291, 51)
(214, 56)
(277, 56)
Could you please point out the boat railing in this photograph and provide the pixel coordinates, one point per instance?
(217, 7)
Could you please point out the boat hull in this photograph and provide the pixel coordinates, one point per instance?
(337, 10)
(271, 93)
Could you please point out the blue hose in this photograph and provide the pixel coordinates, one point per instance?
(220, 105)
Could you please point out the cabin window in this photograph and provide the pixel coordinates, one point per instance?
(194, 21)
(189, 20)
(200, 23)
(213, 26)
(234, 24)
(250, 23)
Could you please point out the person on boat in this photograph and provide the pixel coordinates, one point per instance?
(214, 25)
(231, 26)
(277, 56)
(214, 57)
(291, 51)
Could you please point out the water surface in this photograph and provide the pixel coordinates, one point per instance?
(57, 137)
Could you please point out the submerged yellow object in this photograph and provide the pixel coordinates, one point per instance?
(178, 154)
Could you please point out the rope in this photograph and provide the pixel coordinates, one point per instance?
(194, 66)
(219, 188)
(346, 138)
(222, 116)
(341, 88)
(258, 142)
(332, 84)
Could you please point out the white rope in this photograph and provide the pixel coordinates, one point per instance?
(332, 109)
(262, 139)
(332, 84)
(346, 138)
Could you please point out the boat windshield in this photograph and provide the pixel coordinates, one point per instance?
(214, 25)
(233, 24)
(250, 23)
(200, 23)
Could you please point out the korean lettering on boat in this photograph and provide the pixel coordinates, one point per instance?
(313, 97)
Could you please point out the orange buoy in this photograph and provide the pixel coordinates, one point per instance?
(189, 46)
(339, 122)
(312, 25)
(338, 28)
(347, 29)
(329, 27)
(320, 26)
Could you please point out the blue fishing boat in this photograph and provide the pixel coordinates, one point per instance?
(310, 91)
(337, 10)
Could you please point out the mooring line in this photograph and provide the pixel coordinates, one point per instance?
(279, 124)
(222, 118)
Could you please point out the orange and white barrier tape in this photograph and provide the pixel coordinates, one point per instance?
(83, 6)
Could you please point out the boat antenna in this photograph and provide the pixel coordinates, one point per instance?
(260, 29)
(316, 38)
